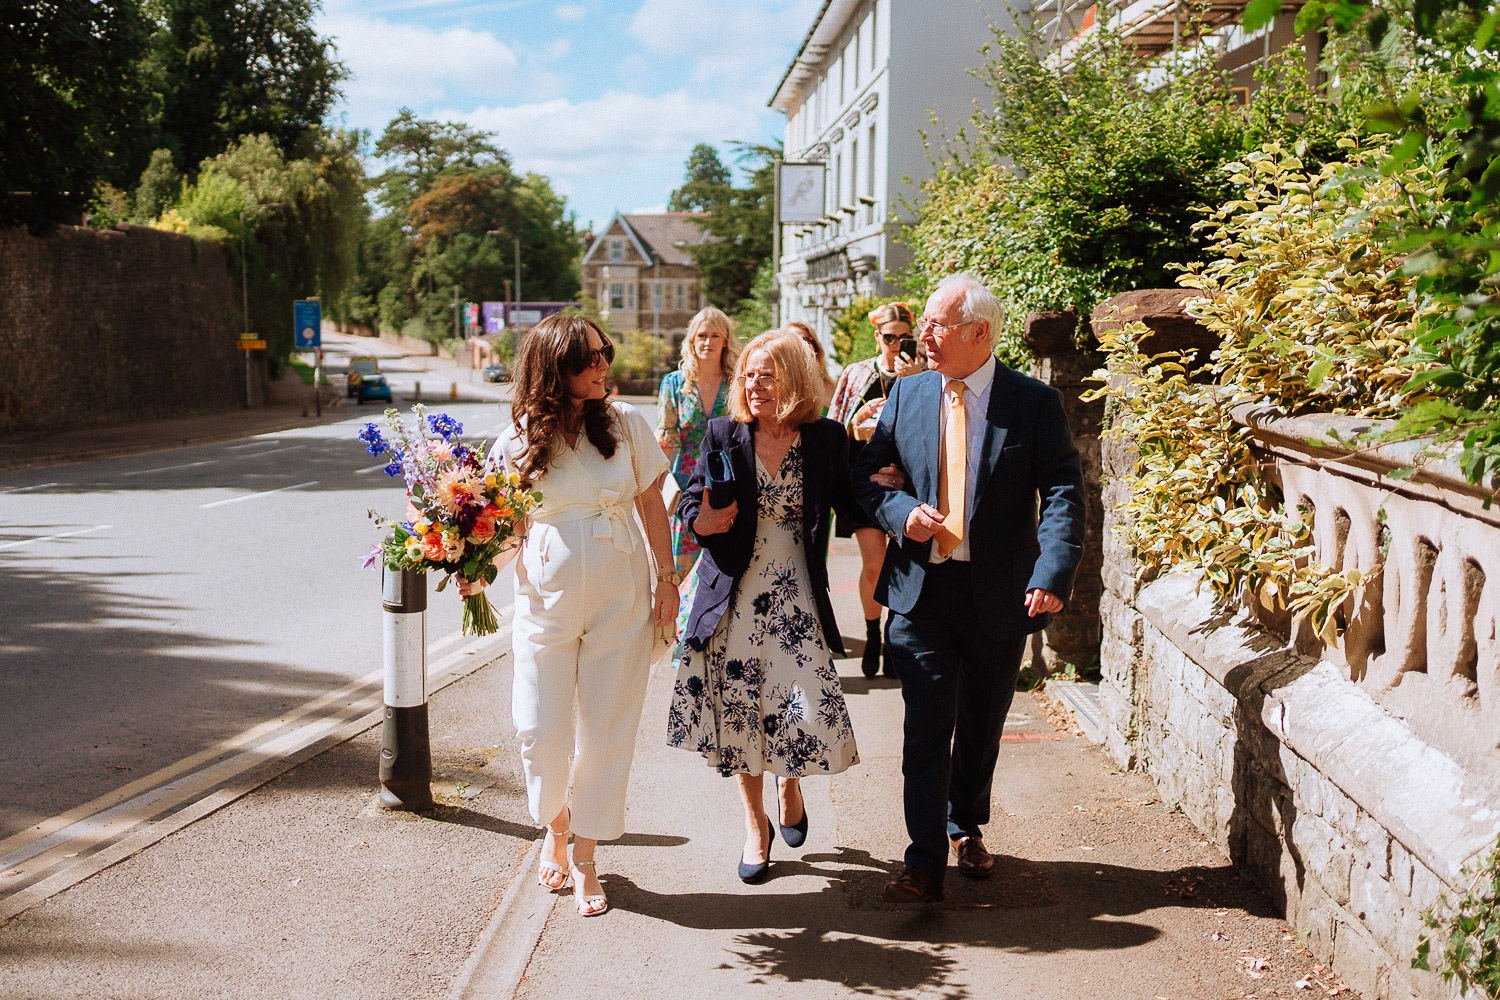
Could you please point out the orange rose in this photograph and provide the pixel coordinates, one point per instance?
(432, 546)
(484, 530)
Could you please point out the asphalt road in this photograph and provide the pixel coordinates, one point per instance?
(156, 606)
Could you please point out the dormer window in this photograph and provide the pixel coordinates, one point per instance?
(616, 250)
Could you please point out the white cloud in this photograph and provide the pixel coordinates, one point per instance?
(570, 12)
(656, 209)
(558, 48)
(410, 64)
(614, 134)
(675, 27)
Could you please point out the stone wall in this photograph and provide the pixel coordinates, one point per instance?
(125, 324)
(1073, 636)
(1353, 818)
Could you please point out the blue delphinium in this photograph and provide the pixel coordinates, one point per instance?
(374, 443)
(444, 426)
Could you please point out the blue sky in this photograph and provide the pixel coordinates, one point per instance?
(606, 97)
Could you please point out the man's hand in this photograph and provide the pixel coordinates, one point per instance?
(922, 523)
(1041, 602)
(714, 520)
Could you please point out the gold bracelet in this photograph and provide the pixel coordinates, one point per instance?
(673, 578)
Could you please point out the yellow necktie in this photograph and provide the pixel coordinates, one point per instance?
(953, 476)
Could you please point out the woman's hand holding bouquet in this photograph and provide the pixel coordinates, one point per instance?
(461, 512)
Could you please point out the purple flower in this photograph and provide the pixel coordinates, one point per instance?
(372, 557)
(374, 443)
(444, 426)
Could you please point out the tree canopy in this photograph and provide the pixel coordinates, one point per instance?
(75, 104)
(245, 67)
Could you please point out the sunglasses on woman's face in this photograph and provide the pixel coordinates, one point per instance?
(890, 338)
(598, 357)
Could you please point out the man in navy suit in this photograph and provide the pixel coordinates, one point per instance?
(984, 545)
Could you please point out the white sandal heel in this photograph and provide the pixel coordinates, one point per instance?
(547, 868)
(588, 905)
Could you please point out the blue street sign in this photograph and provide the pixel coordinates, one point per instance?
(307, 323)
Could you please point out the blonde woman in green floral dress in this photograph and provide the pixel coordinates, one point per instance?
(691, 396)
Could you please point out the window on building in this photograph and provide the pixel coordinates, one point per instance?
(656, 296)
(854, 66)
(874, 9)
(838, 178)
(842, 61)
(617, 296)
(616, 250)
(630, 296)
(853, 169)
(681, 297)
(870, 171)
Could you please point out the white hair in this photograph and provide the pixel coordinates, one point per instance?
(979, 303)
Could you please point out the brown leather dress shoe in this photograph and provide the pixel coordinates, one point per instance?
(973, 860)
(916, 885)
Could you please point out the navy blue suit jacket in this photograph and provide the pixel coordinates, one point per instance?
(1027, 464)
(726, 555)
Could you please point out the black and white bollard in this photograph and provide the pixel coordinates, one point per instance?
(405, 753)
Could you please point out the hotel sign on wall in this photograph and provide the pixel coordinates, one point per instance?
(801, 192)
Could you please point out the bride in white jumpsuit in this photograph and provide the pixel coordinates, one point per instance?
(585, 603)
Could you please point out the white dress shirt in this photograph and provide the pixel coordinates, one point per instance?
(976, 406)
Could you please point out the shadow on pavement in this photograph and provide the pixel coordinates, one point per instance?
(845, 934)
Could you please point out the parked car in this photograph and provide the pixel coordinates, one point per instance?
(359, 368)
(373, 386)
(496, 373)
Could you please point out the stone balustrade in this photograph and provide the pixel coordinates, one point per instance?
(1421, 636)
(1353, 780)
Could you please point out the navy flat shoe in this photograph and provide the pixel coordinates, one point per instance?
(796, 834)
(750, 874)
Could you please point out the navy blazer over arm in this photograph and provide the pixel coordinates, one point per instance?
(1028, 465)
(726, 556)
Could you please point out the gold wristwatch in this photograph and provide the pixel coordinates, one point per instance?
(674, 578)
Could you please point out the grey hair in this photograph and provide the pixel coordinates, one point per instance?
(979, 303)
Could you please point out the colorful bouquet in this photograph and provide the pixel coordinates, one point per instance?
(460, 511)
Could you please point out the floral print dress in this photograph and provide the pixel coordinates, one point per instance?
(681, 424)
(763, 695)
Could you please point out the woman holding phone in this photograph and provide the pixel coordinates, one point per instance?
(857, 400)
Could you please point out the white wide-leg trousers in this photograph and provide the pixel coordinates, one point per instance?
(582, 643)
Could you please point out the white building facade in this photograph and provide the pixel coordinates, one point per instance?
(867, 83)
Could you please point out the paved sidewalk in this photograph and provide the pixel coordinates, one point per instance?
(1101, 889)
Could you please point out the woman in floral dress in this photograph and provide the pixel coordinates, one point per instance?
(757, 690)
(690, 396)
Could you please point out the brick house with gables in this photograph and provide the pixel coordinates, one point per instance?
(640, 272)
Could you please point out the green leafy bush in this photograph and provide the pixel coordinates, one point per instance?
(1077, 186)
(1313, 313)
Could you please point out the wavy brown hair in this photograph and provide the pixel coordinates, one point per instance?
(555, 348)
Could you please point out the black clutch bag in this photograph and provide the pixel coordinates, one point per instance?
(719, 480)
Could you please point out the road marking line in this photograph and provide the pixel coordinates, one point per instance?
(373, 468)
(48, 538)
(172, 468)
(248, 444)
(252, 496)
(66, 849)
(277, 451)
(23, 489)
